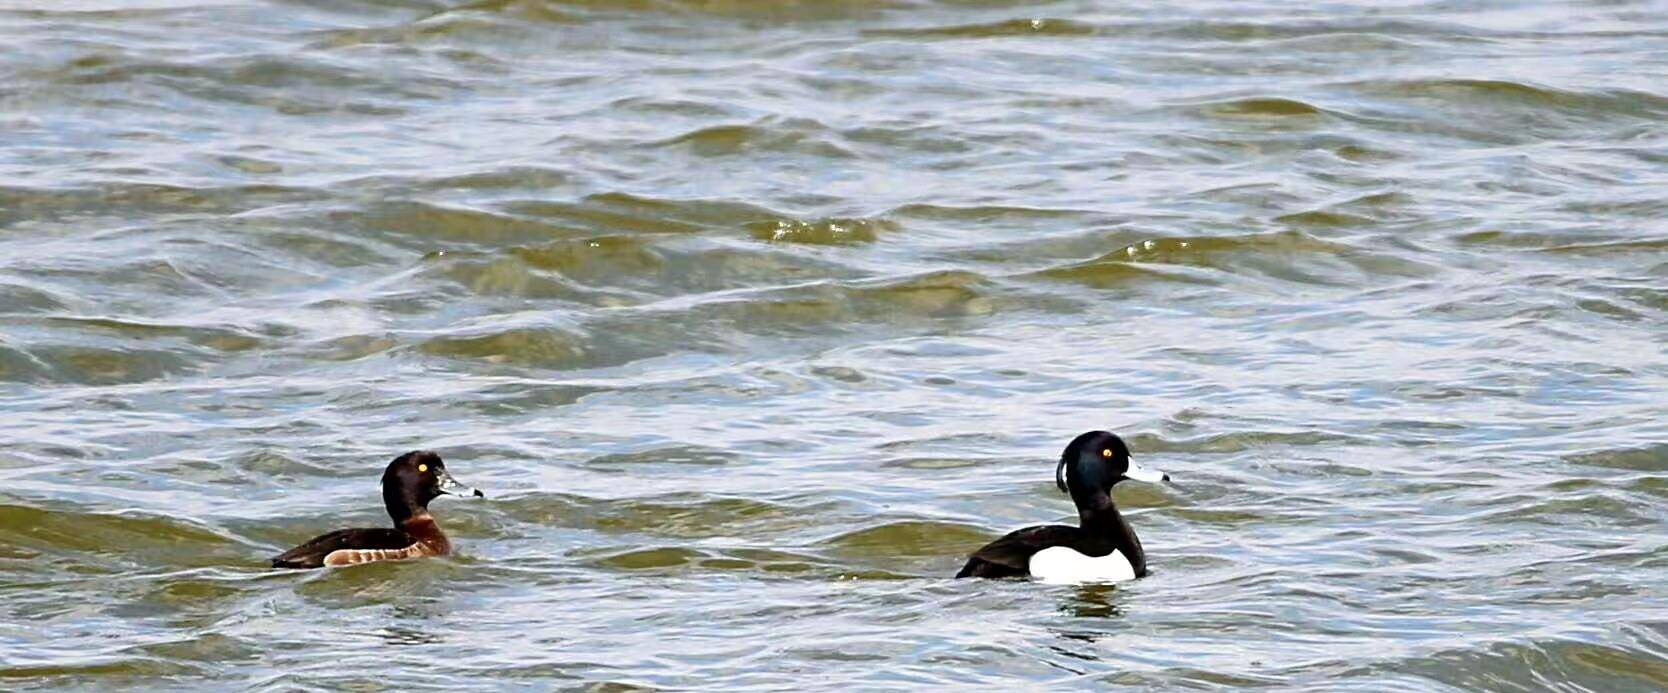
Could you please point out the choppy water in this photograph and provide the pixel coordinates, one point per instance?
(755, 317)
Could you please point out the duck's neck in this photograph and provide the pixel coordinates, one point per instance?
(422, 527)
(1099, 517)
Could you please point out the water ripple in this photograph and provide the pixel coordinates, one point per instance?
(753, 318)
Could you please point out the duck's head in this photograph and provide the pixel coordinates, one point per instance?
(1095, 462)
(414, 479)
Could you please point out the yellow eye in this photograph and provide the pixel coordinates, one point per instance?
(424, 467)
(1106, 453)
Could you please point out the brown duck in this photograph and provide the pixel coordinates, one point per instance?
(409, 483)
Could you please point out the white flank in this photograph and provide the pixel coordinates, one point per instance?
(341, 557)
(1061, 565)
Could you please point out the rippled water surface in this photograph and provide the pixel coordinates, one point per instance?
(754, 317)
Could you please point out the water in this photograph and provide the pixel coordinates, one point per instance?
(753, 318)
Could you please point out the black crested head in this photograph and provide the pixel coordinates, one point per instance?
(1092, 463)
(1095, 462)
(414, 479)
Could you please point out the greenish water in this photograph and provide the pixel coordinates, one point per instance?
(753, 318)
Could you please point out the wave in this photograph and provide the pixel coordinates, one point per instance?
(839, 231)
(1493, 92)
(1287, 256)
(798, 136)
(115, 542)
(1258, 107)
(20, 203)
(1044, 27)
